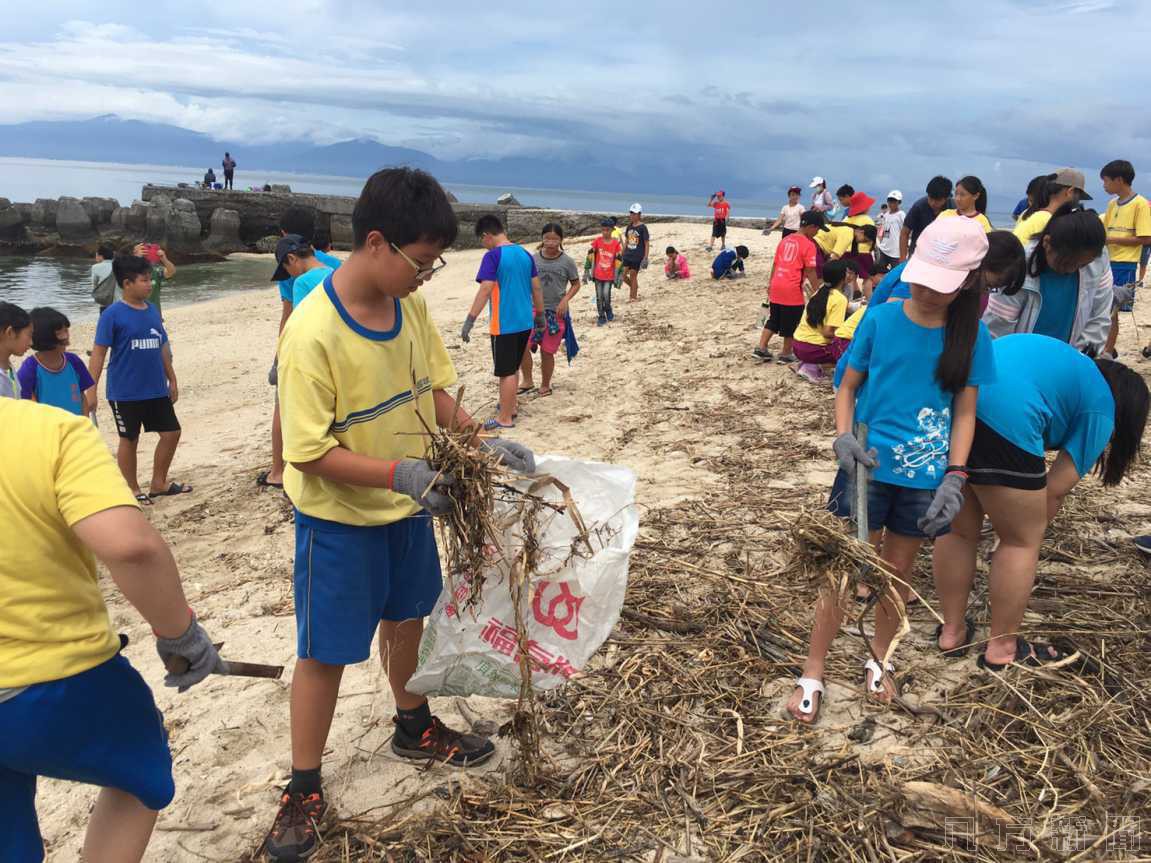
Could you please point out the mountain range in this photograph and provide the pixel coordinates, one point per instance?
(109, 138)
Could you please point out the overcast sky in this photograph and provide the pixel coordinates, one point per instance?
(875, 93)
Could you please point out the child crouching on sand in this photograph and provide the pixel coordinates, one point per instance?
(923, 361)
(675, 267)
(728, 264)
(815, 343)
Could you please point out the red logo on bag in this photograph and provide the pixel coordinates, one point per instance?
(563, 610)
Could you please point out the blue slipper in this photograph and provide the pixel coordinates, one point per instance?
(493, 424)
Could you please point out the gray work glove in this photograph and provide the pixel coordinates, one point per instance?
(413, 475)
(848, 452)
(514, 455)
(466, 330)
(944, 506)
(1124, 294)
(643, 264)
(189, 658)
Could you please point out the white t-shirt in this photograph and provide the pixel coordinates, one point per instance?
(790, 215)
(890, 226)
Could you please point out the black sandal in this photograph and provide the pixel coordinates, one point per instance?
(964, 648)
(262, 481)
(1028, 653)
(143, 499)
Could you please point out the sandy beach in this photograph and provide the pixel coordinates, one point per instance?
(646, 391)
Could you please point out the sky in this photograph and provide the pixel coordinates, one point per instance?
(743, 92)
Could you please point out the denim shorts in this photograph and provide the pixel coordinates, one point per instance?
(893, 507)
(99, 727)
(348, 578)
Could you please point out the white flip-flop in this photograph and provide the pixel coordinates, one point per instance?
(876, 684)
(810, 687)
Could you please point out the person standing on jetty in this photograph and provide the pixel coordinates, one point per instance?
(636, 239)
(229, 166)
(722, 209)
(510, 288)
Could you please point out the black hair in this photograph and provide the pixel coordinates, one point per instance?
(834, 273)
(1039, 192)
(671, 251)
(46, 322)
(1006, 258)
(845, 191)
(553, 228)
(1132, 401)
(959, 334)
(1119, 169)
(489, 224)
(975, 187)
(742, 252)
(870, 232)
(304, 250)
(106, 251)
(126, 267)
(300, 221)
(406, 205)
(13, 316)
(1072, 231)
(939, 187)
(322, 241)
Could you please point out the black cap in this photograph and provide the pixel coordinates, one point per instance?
(607, 223)
(813, 217)
(287, 245)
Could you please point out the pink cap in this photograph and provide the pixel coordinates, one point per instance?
(947, 251)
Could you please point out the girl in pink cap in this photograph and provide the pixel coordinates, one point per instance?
(923, 361)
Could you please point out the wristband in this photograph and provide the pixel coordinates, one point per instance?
(961, 468)
(391, 475)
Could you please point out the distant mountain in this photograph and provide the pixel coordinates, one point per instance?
(109, 138)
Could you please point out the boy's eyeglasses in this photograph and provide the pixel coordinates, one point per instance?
(422, 273)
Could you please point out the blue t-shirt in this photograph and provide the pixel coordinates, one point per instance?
(512, 268)
(1060, 299)
(1050, 397)
(890, 287)
(63, 389)
(724, 261)
(286, 285)
(907, 411)
(302, 285)
(136, 338)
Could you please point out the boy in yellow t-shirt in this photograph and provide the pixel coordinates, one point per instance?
(362, 373)
(71, 706)
(1128, 224)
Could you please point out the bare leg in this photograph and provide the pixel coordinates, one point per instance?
(118, 828)
(953, 563)
(1020, 520)
(765, 338)
(526, 368)
(899, 553)
(508, 400)
(276, 474)
(1113, 334)
(399, 652)
(162, 460)
(633, 285)
(547, 369)
(788, 347)
(315, 688)
(126, 459)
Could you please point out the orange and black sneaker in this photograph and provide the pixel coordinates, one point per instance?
(440, 743)
(295, 832)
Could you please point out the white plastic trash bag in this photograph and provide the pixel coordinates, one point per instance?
(572, 607)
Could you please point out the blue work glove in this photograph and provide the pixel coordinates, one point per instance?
(189, 658)
(514, 455)
(414, 475)
(466, 330)
(848, 453)
(944, 506)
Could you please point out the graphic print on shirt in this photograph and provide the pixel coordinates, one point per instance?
(927, 451)
(152, 344)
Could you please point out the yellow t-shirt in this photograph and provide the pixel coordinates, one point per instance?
(616, 234)
(343, 385)
(1031, 227)
(861, 219)
(57, 472)
(836, 312)
(846, 330)
(979, 217)
(1133, 219)
(835, 241)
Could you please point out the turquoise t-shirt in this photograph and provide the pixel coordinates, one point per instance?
(1049, 397)
(324, 258)
(302, 285)
(1060, 299)
(907, 411)
(891, 286)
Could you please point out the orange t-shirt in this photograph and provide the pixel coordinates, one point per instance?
(722, 208)
(606, 252)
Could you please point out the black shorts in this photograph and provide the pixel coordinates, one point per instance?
(719, 228)
(787, 232)
(633, 263)
(994, 460)
(885, 260)
(508, 352)
(155, 415)
(784, 319)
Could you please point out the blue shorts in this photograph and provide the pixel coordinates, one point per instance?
(895, 508)
(348, 578)
(1124, 273)
(100, 727)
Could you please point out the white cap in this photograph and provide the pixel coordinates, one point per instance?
(635, 208)
(816, 181)
(896, 194)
